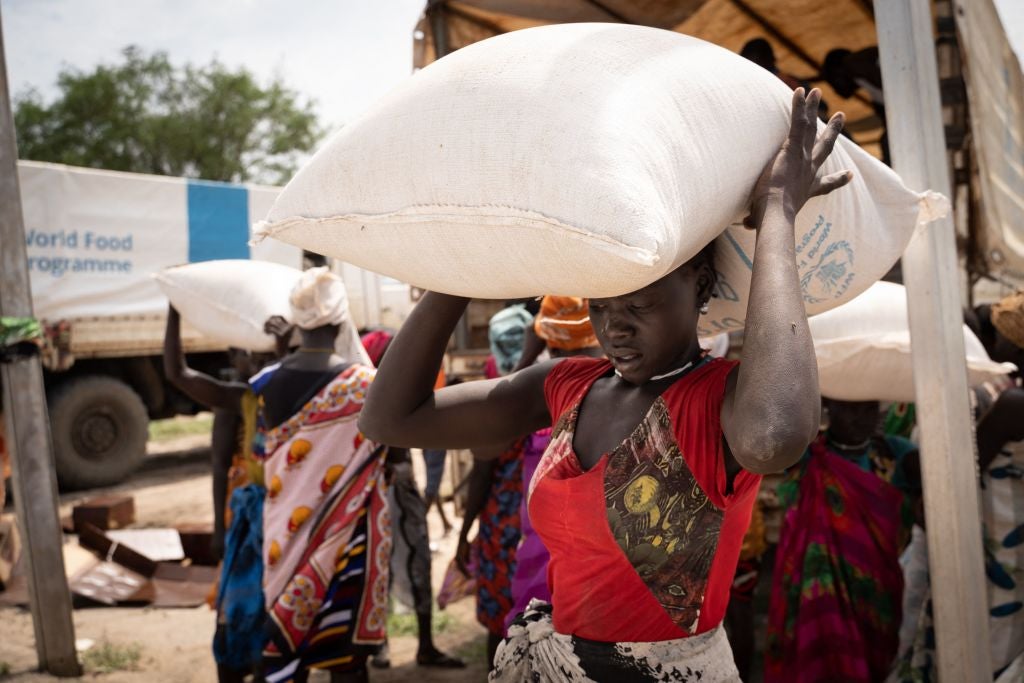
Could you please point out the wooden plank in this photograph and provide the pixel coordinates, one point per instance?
(94, 539)
(104, 512)
(28, 429)
(913, 110)
(621, 18)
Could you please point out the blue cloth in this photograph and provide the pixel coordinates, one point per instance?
(435, 471)
(240, 611)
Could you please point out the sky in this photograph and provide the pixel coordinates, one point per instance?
(343, 54)
(1012, 13)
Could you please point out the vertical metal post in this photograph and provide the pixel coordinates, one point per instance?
(28, 428)
(913, 114)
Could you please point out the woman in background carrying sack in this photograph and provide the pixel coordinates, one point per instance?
(850, 507)
(326, 532)
(645, 491)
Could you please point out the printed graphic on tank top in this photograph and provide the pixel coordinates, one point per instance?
(659, 564)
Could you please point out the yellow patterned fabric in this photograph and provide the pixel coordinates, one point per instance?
(253, 466)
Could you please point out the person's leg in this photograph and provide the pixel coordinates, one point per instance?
(411, 515)
(223, 445)
(493, 641)
(739, 620)
(226, 674)
(435, 460)
(436, 502)
(425, 630)
(381, 659)
(428, 654)
(739, 615)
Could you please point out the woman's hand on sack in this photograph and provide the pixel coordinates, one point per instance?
(791, 178)
(278, 326)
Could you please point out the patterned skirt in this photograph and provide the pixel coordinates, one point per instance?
(533, 651)
(332, 614)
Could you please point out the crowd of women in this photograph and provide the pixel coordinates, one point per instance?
(617, 471)
(850, 561)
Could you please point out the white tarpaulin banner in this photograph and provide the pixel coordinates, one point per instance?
(995, 89)
(95, 237)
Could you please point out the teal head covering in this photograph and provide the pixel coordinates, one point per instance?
(506, 333)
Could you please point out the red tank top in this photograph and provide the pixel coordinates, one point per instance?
(644, 545)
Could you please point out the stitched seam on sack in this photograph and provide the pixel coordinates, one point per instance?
(266, 229)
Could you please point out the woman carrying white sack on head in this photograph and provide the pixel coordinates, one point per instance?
(646, 489)
(326, 533)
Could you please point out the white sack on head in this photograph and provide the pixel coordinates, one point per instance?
(864, 353)
(584, 160)
(319, 298)
(230, 300)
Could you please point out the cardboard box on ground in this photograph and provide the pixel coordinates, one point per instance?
(109, 564)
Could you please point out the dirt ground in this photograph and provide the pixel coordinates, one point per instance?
(148, 644)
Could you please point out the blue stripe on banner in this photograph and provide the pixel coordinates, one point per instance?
(218, 221)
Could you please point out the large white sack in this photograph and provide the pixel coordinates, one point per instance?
(586, 160)
(864, 353)
(230, 300)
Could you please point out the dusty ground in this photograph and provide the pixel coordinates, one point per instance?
(173, 487)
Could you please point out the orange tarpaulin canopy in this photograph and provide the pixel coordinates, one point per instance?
(802, 32)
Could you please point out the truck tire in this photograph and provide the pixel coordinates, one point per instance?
(100, 427)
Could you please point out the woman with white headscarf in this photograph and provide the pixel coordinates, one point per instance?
(326, 533)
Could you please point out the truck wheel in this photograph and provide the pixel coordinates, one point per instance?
(99, 427)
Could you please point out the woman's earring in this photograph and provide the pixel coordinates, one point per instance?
(704, 308)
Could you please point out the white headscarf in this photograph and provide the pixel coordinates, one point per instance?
(319, 298)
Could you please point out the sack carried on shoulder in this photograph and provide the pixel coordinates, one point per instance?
(230, 300)
(864, 352)
(584, 160)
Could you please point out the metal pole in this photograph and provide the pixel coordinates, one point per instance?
(913, 115)
(28, 428)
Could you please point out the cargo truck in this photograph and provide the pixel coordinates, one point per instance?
(94, 238)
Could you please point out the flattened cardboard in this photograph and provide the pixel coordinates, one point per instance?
(159, 545)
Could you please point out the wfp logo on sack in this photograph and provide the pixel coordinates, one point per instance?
(826, 268)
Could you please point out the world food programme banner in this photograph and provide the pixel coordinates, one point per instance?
(95, 237)
(996, 94)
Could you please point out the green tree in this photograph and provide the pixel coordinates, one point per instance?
(145, 115)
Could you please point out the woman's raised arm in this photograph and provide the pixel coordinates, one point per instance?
(403, 409)
(201, 388)
(772, 405)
